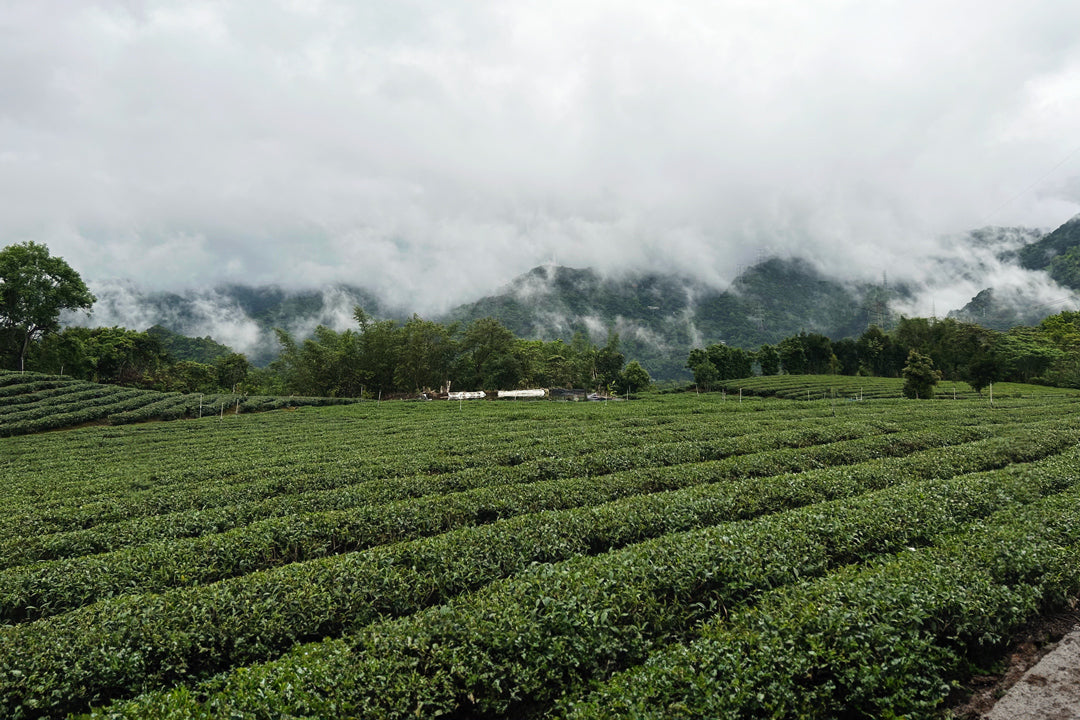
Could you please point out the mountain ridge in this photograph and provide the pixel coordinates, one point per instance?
(659, 316)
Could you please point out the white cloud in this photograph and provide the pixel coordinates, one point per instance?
(431, 150)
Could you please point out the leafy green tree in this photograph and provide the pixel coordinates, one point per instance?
(920, 377)
(63, 353)
(609, 362)
(264, 381)
(634, 377)
(982, 371)
(180, 347)
(846, 353)
(188, 376)
(583, 358)
(34, 288)
(231, 370)
(113, 355)
(379, 352)
(427, 351)
(1063, 329)
(818, 351)
(730, 363)
(957, 345)
(560, 366)
(1026, 354)
(792, 355)
(328, 364)
(532, 356)
(769, 360)
(719, 357)
(296, 375)
(871, 349)
(501, 372)
(121, 356)
(705, 373)
(487, 359)
(914, 334)
(339, 358)
(742, 363)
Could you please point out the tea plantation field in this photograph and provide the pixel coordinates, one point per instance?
(677, 556)
(33, 402)
(854, 387)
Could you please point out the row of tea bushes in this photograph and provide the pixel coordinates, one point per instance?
(523, 643)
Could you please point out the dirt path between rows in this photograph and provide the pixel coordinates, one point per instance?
(1042, 678)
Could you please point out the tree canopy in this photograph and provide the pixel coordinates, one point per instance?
(34, 288)
(920, 377)
(1048, 353)
(386, 356)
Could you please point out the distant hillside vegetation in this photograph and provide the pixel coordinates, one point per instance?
(1058, 253)
(1001, 309)
(181, 347)
(659, 318)
(238, 316)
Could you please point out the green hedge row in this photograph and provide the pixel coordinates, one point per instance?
(53, 396)
(15, 384)
(44, 589)
(197, 471)
(519, 645)
(164, 406)
(885, 641)
(52, 402)
(283, 469)
(350, 446)
(87, 412)
(818, 387)
(525, 464)
(68, 404)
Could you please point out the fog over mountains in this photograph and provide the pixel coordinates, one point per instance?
(429, 152)
(995, 276)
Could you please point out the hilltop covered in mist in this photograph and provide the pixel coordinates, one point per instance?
(992, 276)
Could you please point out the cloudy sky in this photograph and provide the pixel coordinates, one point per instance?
(430, 150)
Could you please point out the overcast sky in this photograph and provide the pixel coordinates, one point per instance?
(430, 150)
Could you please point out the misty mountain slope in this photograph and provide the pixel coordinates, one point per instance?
(1001, 309)
(276, 307)
(1058, 253)
(1024, 274)
(240, 317)
(781, 297)
(549, 302)
(659, 318)
(652, 313)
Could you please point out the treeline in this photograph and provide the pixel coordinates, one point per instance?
(1047, 354)
(380, 357)
(118, 356)
(384, 356)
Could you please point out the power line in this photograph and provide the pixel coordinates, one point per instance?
(1055, 302)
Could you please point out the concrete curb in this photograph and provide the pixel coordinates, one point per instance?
(1048, 691)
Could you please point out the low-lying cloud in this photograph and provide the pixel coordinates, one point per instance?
(219, 313)
(430, 151)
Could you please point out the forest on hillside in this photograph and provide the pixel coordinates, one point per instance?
(385, 356)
